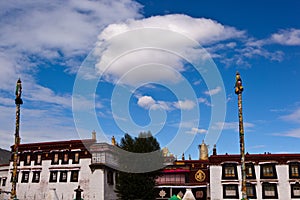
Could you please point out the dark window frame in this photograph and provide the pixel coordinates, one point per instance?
(225, 175)
(3, 184)
(34, 179)
(11, 178)
(272, 166)
(51, 178)
(62, 178)
(251, 166)
(25, 179)
(74, 160)
(291, 175)
(110, 177)
(53, 162)
(264, 185)
(65, 158)
(226, 187)
(292, 190)
(74, 177)
(27, 162)
(253, 187)
(36, 161)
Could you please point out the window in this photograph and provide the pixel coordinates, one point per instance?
(55, 159)
(65, 158)
(171, 179)
(268, 171)
(250, 172)
(25, 177)
(295, 190)
(294, 170)
(63, 176)
(230, 191)
(36, 177)
(53, 176)
(229, 171)
(27, 160)
(110, 177)
(18, 160)
(38, 159)
(3, 182)
(269, 191)
(17, 177)
(74, 176)
(76, 158)
(251, 191)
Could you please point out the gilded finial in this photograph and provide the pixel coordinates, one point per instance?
(113, 141)
(238, 84)
(18, 99)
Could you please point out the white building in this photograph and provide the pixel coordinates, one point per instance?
(268, 176)
(53, 170)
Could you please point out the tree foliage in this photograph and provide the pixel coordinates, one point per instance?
(133, 186)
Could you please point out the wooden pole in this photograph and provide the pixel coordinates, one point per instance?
(18, 102)
(238, 90)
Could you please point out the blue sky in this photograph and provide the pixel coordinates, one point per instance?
(164, 66)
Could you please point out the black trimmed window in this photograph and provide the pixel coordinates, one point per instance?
(295, 190)
(53, 176)
(229, 171)
(74, 176)
(38, 159)
(17, 178)
(55, 159)
(36, 177)
(18, 160)
(251, 191)
(230, 191)
(4, 182)
(250, 171)
(294, 170)
(63, 176)
(268, 171)
(110, 177)
(269, 191)
(27, 160)
(25, 177)
(65, 159)
(76, 158)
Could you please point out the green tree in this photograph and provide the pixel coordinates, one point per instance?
(133, 186)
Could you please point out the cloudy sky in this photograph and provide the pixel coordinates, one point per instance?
(162, 66)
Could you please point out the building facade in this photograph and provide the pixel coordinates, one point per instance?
(268, 176)
(53, 170)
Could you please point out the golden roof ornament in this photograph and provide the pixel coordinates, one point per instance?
(238, 84)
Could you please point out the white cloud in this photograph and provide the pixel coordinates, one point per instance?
(34, 34)
(148, 102)
(214, 91)
(197, 130)
(295, 133)
(163, 66)
(287, 37)
(293, 117)
(204, 101)
(231, 125)
(185, 105)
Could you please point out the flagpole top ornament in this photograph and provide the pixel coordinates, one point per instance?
(18, 99)
(238, 84)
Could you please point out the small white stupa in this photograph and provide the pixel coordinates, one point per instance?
(188, 195)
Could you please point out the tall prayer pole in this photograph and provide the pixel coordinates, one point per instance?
(238, 90)
(18, 102)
